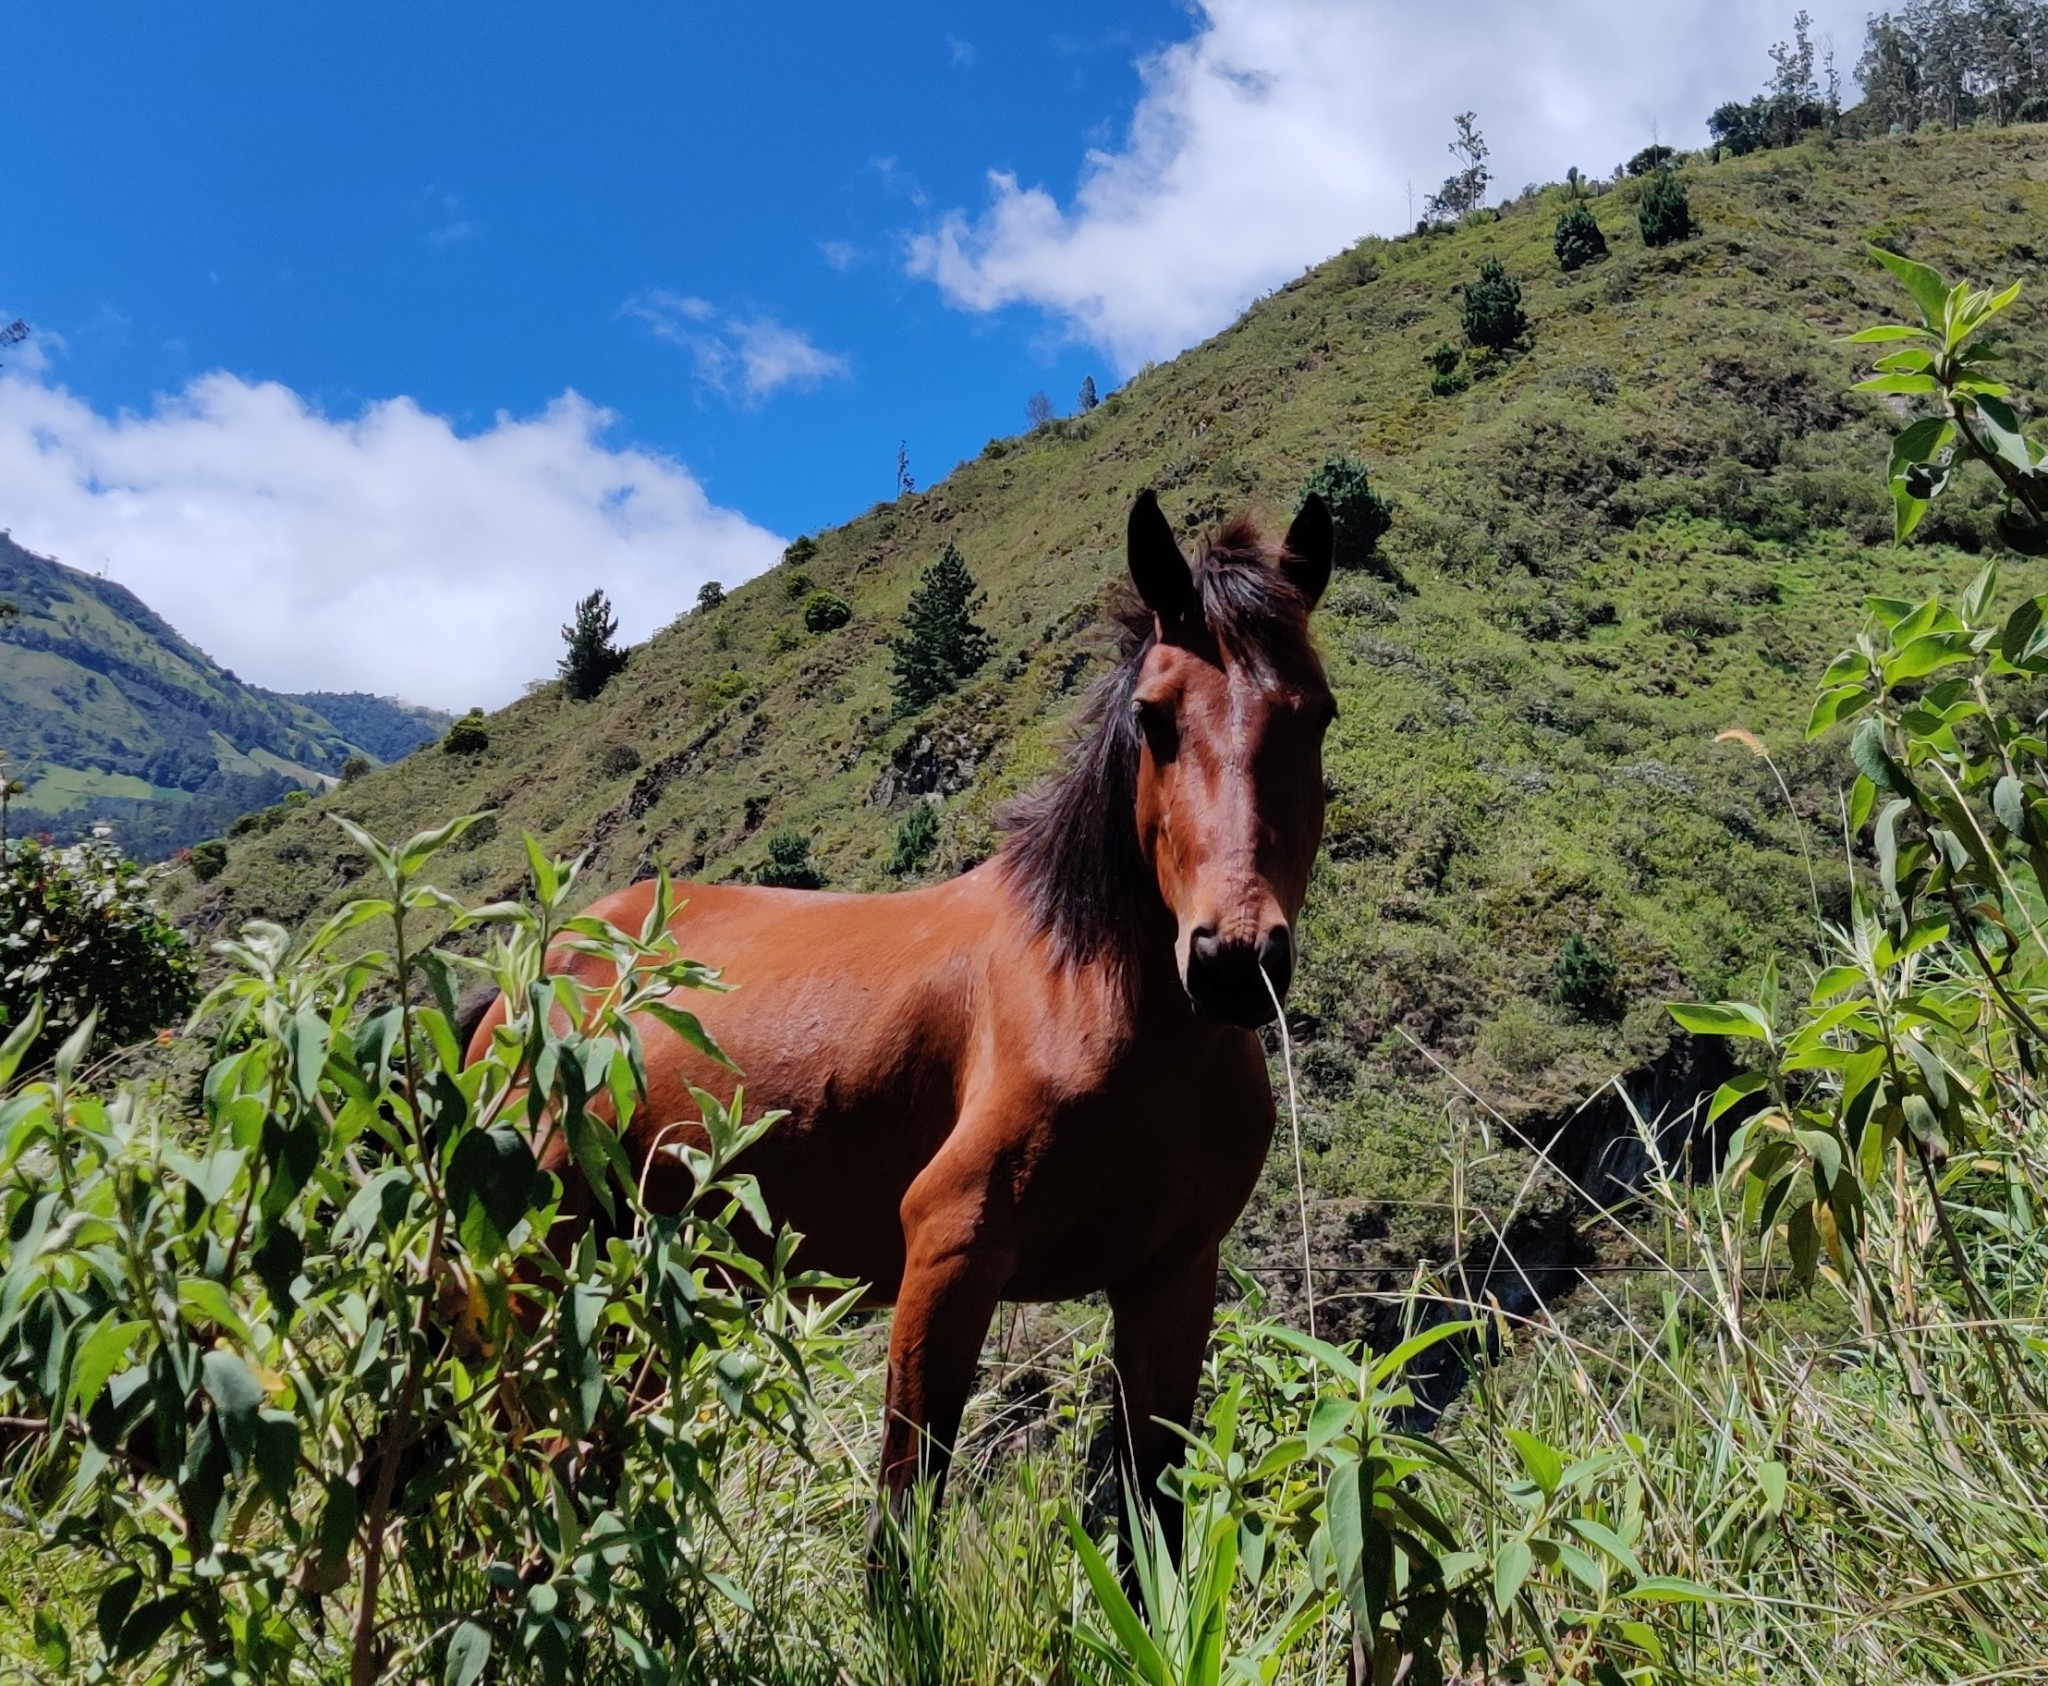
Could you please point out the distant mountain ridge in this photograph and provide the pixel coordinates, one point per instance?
(108, 715)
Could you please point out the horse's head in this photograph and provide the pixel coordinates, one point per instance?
(1231, 705)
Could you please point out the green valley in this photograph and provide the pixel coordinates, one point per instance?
(107, 715)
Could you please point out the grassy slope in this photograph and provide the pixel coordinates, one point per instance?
(1674, 450)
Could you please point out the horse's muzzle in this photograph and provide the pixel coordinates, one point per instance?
(1228, 980)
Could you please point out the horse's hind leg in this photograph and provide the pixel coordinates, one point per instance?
(1162, 1331)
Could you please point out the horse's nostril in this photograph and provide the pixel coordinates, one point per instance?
(1206, 945)
(1276, 957)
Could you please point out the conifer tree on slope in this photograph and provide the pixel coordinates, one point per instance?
(592, 659)
(940, 644)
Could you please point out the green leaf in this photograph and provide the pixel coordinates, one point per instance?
(1770, 1476)
(1927, 655)
(1150, 1663)
(1670, 1589)
(685, 1025)
(422, 846)
(2009, 803)
(1543, 1462)
(1885, 333)
(1605, 1539)
(1930, 292)
(2003, 425)
(1720, 1018)
(1898, 383)
(1329, 1418)
(1510, 1569)
(2016, 641)
(19, 1040)
(1735, 1090)
(1874, 760)
(236, 1394)
(1832, 705)
(469, 1651)
(492, 1183)
(98, 1357)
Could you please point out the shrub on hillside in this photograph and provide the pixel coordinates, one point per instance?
(1360, 514)
(916, 838)
(789, 865)
(592, 660)
(799, 551)
(208, 860)
(1665, 213)
(618, 760)
(79, 928)
(353, 768)
(824, 612)
(1578, 240)
(1583, 978)
(467, 736)
(1447, 375)
(1492, 316)
(710, 594)
(940, 644)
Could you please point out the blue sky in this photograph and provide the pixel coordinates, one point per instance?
(342, 312)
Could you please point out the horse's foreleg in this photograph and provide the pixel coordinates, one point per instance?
(954, 1272)
(1162, 1331)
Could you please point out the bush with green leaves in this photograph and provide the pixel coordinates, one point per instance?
(467, 735)
(1578, 240)
(917, 838)
(1360, 514)
(322, 1383)
(710, 594)
(826, 612)
(1447, 375)
(789, 865)
(208, 860)
(80, 931)
(940, 644)
(1584, 979)
(1491, 315)
(1664, 214)
(592, 660)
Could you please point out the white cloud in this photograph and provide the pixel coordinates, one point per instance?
(751, 357)
(1284, 129)
(384, 553)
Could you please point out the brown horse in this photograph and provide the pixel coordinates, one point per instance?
(1042, 1078)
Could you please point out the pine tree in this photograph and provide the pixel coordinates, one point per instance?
(592, 659)
(1359, 513)
(1087, 401)
(1578, 241)
(1493, 308)
(916, 838)
(789, 865)
(1665, 214)
(940, 645)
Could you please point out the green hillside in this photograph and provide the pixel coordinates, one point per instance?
(107, 714)
(1653, 524)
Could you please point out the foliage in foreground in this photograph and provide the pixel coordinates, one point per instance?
(311, 1380)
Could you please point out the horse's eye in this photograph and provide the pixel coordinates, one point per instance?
(1162, 731)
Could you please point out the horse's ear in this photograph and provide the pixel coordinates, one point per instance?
(1310, 541)
(1158, 569)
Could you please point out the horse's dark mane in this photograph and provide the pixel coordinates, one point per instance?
(1072, 850)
